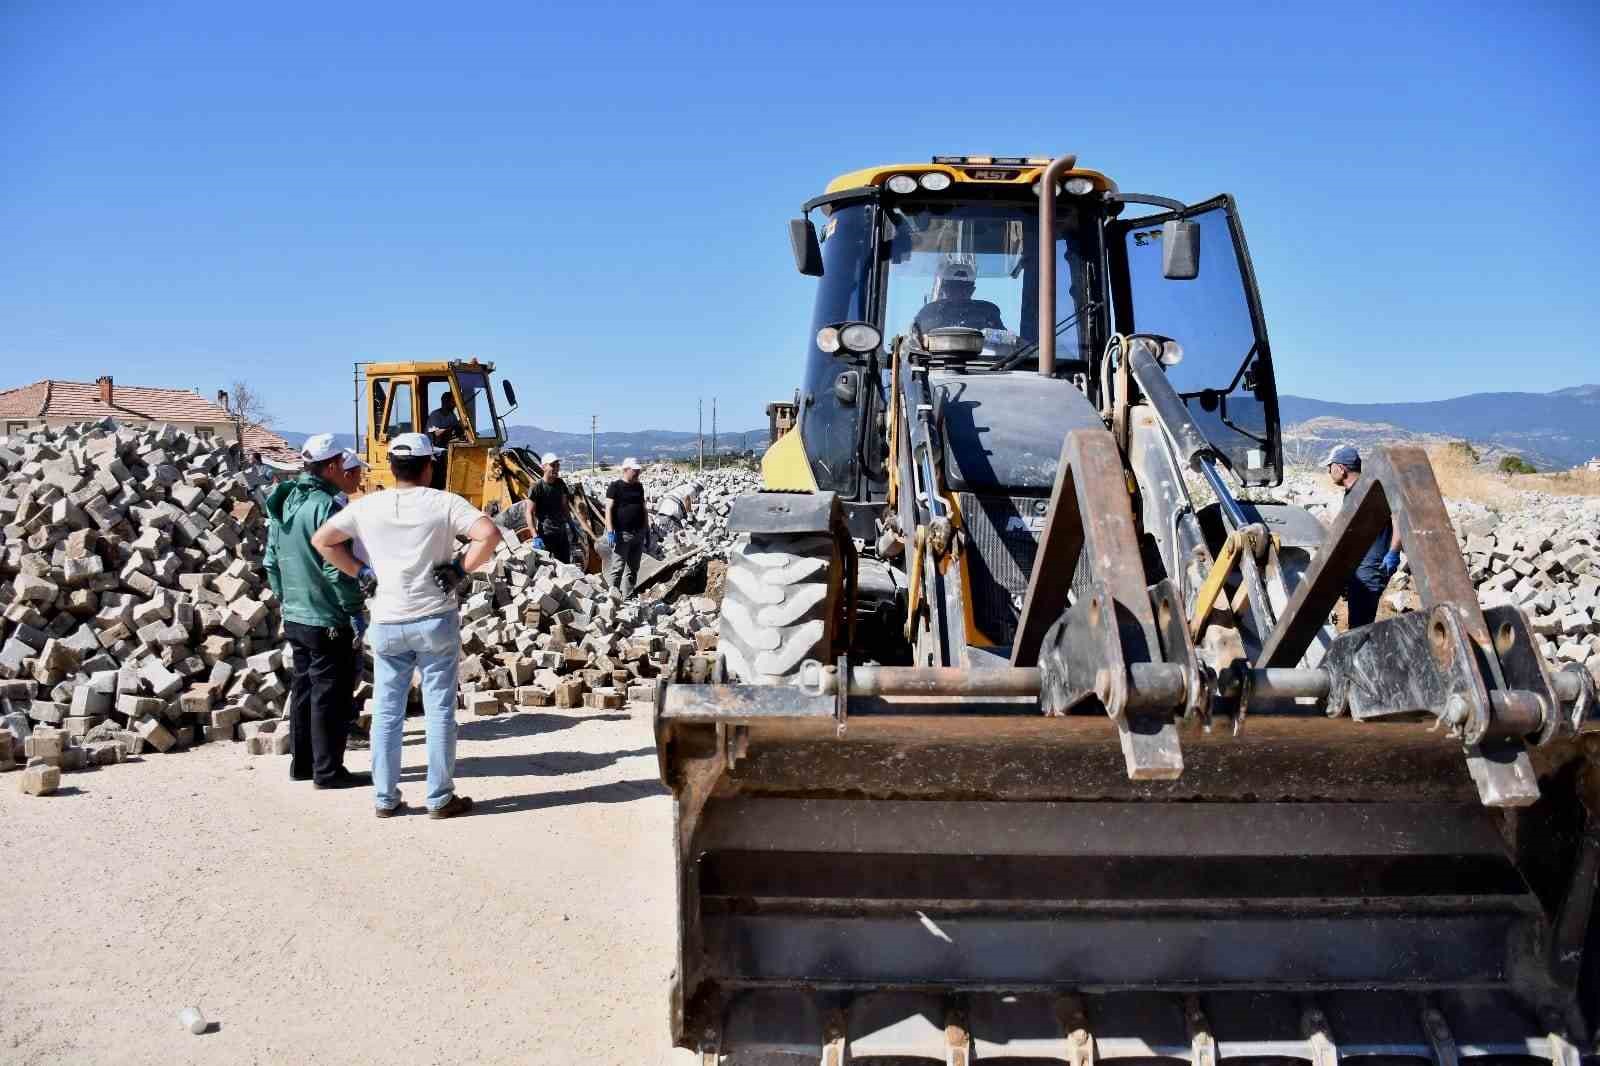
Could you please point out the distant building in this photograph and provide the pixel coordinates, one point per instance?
(1593, 464)
(52, 402)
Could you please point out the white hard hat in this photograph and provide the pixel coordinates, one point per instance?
(958, 270)
(412, 446)
(319, 447)
(549, 457)
(630, 463)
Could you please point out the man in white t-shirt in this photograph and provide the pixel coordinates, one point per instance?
(409, 535)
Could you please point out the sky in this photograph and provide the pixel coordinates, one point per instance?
(594, 196)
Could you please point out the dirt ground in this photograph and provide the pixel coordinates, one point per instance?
(536, 929)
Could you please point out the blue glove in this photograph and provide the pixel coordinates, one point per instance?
(538, 542)
(1391, 564)
(368, 580)
(611, 538)
(358, 622)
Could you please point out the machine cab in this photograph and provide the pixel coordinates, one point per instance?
(450, 401)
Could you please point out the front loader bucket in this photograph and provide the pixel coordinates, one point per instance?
(935, 876)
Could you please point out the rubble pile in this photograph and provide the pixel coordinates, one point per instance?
(1541, 554)
(136, 615)
(688, 514)
(539, 633)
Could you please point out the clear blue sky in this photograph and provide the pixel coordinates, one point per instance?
(594, 195)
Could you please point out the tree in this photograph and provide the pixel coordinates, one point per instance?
(247, 411)
(1516, 464)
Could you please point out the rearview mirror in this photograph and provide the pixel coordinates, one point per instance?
(807, 249)
(511, 393)
(1180, 250)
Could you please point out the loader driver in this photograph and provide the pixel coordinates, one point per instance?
(444, 426)
(1365, 587)
(952, 303)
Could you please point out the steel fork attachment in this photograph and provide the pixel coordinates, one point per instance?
(1478, 673)
(1120, 642)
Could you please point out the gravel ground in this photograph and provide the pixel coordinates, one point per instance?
(538, 928)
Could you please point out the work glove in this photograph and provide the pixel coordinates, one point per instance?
(449, 576)
(538, 542)
(611, 538)
(1391, 564)
(358, 622)
(368, 580)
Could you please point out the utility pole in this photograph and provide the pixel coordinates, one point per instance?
(714, 431)
(701, 408)
(594, 447)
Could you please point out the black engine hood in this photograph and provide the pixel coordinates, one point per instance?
(1003, 432)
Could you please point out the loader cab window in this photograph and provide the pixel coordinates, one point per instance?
(976, 265)
(380, 393)
(402, 419)
(1225, 377)
(477, 404)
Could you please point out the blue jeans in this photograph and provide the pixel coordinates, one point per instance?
(431, 646)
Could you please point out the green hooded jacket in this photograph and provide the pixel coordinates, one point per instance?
(312, 590)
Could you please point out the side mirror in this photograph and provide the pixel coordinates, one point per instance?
(1180, 250)
(510, 391)
(807, 249)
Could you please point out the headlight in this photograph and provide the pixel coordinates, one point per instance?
(902, 184)
(1036, 189)
(935, 181)
(1171, 353)
(860, 337)
(828, 339)
(1078, 186)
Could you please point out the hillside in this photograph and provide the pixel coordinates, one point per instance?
(1557, 429)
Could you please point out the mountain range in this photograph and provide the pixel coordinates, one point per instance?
(573, 448)
(1552, 430)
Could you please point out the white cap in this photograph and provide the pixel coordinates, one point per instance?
(352, 460)
(319, 447)
(549, 457)
(412, 446)
(630, 463)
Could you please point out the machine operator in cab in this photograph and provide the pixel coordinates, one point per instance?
(952, 303)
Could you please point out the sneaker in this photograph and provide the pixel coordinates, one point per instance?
(390, 812)
(345, 779)
(458, 805)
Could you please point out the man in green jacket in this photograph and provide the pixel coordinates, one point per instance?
(323, 615)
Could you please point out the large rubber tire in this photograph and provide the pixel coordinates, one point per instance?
(778, 606)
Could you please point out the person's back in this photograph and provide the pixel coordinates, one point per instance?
(407, 531)
(973, 314)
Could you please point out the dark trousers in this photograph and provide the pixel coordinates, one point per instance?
(1361, 602)
(322, 702)
(557, 541)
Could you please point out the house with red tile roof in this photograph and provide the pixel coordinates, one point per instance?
(52, 402)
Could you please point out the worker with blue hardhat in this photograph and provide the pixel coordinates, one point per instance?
(1364, 587)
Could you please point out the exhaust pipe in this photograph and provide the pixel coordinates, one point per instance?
(1047, 262)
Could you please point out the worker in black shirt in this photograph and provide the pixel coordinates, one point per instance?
(952, 303)
(626, 526)
(552, 508)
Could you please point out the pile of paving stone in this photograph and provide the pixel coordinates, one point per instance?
(688, 514)
(540, 633)
(1541, 553)
(134, 613)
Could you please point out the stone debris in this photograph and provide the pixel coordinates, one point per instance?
(134, 612)
(688, 514)
(1542, 555)
(539, 633)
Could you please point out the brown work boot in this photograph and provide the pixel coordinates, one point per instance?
(390, 812)
(458, 805)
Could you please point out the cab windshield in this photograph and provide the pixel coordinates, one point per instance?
(976, 265)
(477, 407)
